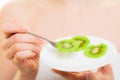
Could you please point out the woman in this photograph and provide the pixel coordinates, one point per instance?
(54, 19)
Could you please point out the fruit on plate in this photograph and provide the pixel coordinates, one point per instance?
(95, 51)
(66, 45)
(82, 41)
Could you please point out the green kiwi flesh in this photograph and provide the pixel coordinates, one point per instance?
(95, 51)
(82, 41)
(66, 45)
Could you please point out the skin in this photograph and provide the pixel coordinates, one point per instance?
(103, 73)
(22, 50)
(69, 14)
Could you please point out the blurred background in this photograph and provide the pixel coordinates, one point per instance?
(3, 2)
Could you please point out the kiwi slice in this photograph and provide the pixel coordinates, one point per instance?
(95, 51)
(82, 41)
(67, 45)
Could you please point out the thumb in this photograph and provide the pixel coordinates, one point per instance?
(64, 74)
(106, 70)
(90, 76)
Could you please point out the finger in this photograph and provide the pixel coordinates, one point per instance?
(107, 69)
(80, 74)
(21, 47)
(21, 38)
(90, 76)
(66, 75)
(22, 55)
(10, 28)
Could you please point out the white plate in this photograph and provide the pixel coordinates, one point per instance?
(77, 61)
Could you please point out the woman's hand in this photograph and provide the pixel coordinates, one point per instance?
(103, 73)
(22, 49)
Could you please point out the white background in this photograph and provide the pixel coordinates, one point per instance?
(3, 2)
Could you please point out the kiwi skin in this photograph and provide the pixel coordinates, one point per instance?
(67, 45)
(83, 42)
(95, 51)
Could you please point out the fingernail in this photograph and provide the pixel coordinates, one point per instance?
(40, 41)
